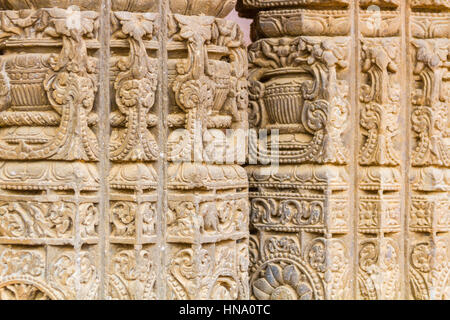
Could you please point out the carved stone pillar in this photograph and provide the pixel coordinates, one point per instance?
(392, 232)
(131, 234)
(380, 181)
(429, 140)
(113, 144)
(49, 178)
(207, 214)
(299, 84)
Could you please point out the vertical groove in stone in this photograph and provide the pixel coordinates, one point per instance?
(104, 133)
(161, 282)
(77, 244)
(406, 130)
(355, 132)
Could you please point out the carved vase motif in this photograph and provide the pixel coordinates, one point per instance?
(284, 99)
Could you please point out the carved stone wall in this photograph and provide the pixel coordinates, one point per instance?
(428, 219)
(112, 128)
(379, 171)
(357, 95)
(120, 178)
(300, 210)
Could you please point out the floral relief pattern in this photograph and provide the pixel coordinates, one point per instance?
(282, 284)
(120, 180)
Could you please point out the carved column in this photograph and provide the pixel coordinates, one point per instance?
(207, 214)
(131, 240)
(300, 210)
(429, 201)
(118, 179)
(379, 174)
(49, 218)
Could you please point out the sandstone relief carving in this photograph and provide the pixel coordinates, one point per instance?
(150, 154)
(429, 115)
(207, 231)
(300, 87)
(83, 160)
(380, 178)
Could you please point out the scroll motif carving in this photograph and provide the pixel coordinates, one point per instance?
(207, 214)
(380, 180)
(299, 93)
(49, 147)
(102, 141)
(429, 270)
(202, 278)
(379, 270)
(321, 95)
(21, 262)
(430, 114)
(133, 150)
(132, 277)
(211, 92)
(428, 223)
(64, 273)
(135, 87)
(379, 115)
(78, 175)
(38, 220)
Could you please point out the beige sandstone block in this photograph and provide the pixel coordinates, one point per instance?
(113, 136)
(100, 198)
(359, 93)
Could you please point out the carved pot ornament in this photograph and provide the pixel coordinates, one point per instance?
(220, 72)
(284, 100)
(123, 143)
(47, 109)
(25, 75)
(27, 113)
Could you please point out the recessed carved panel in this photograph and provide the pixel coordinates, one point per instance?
(84, 167)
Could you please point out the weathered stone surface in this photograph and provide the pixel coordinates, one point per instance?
(429, 202)
(115, 148)
(299, 84)
(100, 197)
(346, 122)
